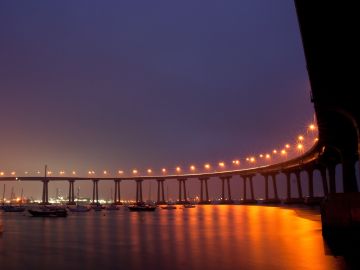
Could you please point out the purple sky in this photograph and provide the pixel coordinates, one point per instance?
(137, 84)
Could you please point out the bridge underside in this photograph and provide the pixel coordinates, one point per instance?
(329, 31)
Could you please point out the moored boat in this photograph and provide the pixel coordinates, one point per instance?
(112, 207)
(189, 206)
(79, 208)
(142, 207)
(48, 212)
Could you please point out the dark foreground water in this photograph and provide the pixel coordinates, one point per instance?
(205, 237)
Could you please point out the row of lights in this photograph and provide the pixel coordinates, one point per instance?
(251, 160)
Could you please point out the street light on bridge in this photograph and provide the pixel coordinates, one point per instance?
(236, 162)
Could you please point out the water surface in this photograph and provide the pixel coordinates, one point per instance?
(206, 237)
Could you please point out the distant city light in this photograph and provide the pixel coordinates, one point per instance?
(73, 172)
(300, 137)
(149, 170)
(163, 170)
(207, 166)
(221, 164)
(274, 151)
(287, 146)
(120, 172)
(178, 169)
(105, 172)
(135, 171)
(192, 168)
(267, 156)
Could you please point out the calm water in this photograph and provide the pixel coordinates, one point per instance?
(205, 237)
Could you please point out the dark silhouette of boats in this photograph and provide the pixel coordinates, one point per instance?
(48, 212)
(142, 207)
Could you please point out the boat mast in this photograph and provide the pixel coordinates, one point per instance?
(21, 197)
(3, 197)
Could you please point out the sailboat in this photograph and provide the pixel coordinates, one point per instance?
(11, 207)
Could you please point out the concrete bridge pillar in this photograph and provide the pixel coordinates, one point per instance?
(182, 191)
(45, 192)
(204, 190)
(310, 174)
(95, 198)
(322, 170)
(117, 195)
(244, 177)
(245, 200)
(332, 181)
(266, 178)
(267, 197)
(139, 193)
(348, 173)
(251, 187)
(288, 185)
(224, 198)
(160, 191)
(298, 182)
(71, 196)
(276, 195)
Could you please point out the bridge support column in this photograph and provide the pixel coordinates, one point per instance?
(269, 200)
(310, 174)
(349, 177)
(204, 191)
(71, 196)
(95, 199)
(45, 193)
(182, 191)
(139, 194)
(298, 182)
(244, 187)
(160, 191)
(288, 185)
(324, 180)
(276, 195)
(117, 195)
(251, 187)
(224, 199)
(266, 178)
(332, 181)
(244, 199)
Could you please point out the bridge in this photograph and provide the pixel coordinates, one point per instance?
(308, 162)
(330, 46)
